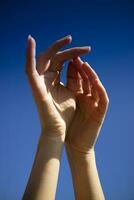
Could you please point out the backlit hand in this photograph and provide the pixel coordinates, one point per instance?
(55, 102)
(91, 105)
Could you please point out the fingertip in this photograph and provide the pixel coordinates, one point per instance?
(77, 62)
(86, 63)
(31, 49)
(29, 37)
(77, 58)
(69, 38)
(65, 40)
(87, 48)
(31, 40)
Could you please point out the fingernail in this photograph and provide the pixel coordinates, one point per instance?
(29, 36)
(87, 47)
(69, 36)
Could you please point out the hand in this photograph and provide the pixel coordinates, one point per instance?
(91, 105)
(55, 102)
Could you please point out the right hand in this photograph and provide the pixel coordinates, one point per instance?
(55, 103)
(91, 106)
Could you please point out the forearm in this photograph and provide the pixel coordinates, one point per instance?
(85, 176)
(44, 175)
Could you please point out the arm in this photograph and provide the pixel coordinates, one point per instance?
(85, 175)
(56, 106)
(92, 103)
(44, 175)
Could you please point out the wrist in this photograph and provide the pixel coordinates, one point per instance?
(50, 146)
(54, 135)
(74, 152)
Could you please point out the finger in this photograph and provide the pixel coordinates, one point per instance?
(103, 97)
(54, 48)
(51, 79)
(51, 51)
(90, 72)
(68, 54)
(73, 79)
(85, 80)
(30, 58)
(94, 94)
(97, 86)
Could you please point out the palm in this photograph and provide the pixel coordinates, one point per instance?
(89, 113)
(55, 98)
(55, 103)
(86, 118)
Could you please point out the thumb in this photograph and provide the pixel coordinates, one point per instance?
(30, 57)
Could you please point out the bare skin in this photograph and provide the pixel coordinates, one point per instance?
(56, 106)
(55, 102)
(73, 114)
(91, 106)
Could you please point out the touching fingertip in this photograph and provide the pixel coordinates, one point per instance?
(79, 60)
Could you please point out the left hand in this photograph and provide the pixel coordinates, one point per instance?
(55, 102)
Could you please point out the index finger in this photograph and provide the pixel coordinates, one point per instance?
(51, 51)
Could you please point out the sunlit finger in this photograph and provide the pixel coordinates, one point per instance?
(103, 97)
(50, 52)
(73, 79)
(85, 80)
(31, 61)
(68, 54)
(90, 72)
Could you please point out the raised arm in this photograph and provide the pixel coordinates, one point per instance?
(91, 106)
(56, 106)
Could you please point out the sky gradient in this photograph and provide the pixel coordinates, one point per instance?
(108, 26)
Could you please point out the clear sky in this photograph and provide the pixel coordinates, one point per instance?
(108, 26)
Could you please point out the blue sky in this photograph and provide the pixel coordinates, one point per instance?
(108, 26)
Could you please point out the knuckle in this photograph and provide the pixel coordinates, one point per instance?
(96, 81)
